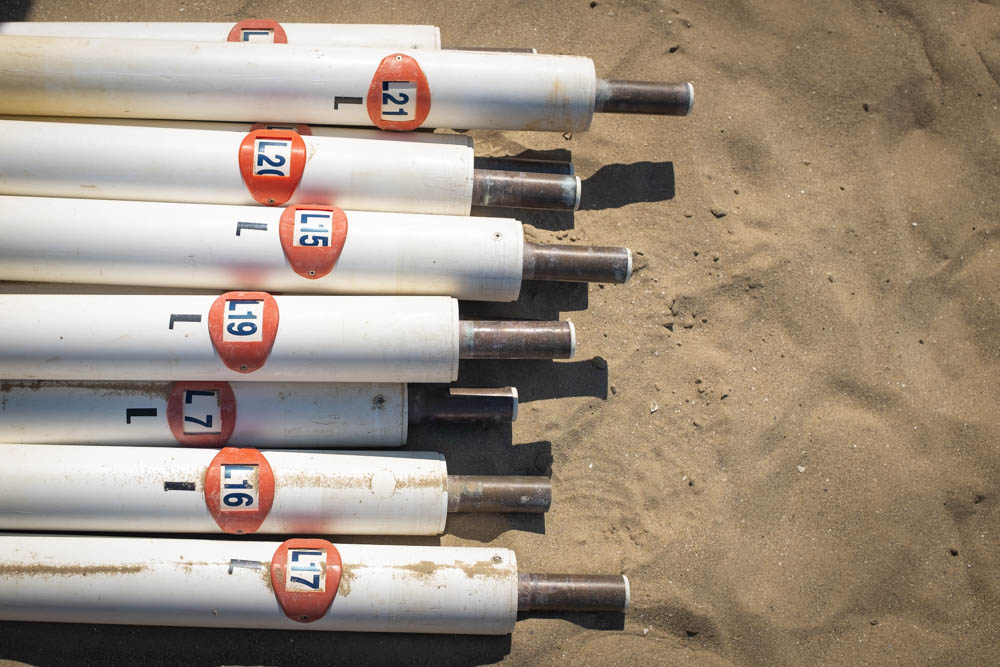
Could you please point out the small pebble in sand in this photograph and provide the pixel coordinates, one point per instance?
(718, 212)
(800, 468)
(688, 214)
(653, 407)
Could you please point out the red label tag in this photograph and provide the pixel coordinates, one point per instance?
(398, 97)
(303, 129)
(305, 576)
(201, 414)
(271, 163)
(239, 490)
(242, 326)
(258, 30)
(312, 238)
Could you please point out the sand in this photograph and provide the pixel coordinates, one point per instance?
(784, 429)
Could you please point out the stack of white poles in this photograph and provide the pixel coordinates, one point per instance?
(238, 186)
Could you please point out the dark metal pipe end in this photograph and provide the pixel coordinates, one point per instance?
(486, 493)
(648, 97)
(573, 592)
(453, 404)
(524, 189)
(525, 164)
(584, 264)
(485, 339)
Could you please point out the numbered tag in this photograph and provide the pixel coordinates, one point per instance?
(272, 157)
(399, 97)
(242, 320)
(250, 35)
(271, 163)
(312, 238)
(239, 489)
(242, 326)
(201, 414)
(305, 576)
(399, 100)
(306, 570)
(258, 30)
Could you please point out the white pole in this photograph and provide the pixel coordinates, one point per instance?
(253, 30)
(242, 247)
(204, 166)
(238, 584)
(210, 414)
(400, 90)
(234, 490)
(239, 335)
(314, 130)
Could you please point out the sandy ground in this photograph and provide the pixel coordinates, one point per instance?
(784, 430)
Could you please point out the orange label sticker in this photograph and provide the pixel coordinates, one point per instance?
(305, 576)
(271, 164)
(312, 238)
(399, 97)
(268, 31)
(243, 326)
(201, 414)
(239, 490)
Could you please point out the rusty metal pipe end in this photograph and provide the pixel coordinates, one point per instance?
(525, 189)
(504, 339)
(588, 264)
(645, 97)
(458, 404)
(488, 493)
(573, 592)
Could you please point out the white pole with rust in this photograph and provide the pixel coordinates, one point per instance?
(242, 491)
(298, 584)
(290, 415)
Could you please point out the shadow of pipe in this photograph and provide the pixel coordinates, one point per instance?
(539, 300)
(617, 185)
(538, 380)
(487, 527)
(591, 620)
(86, 644)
